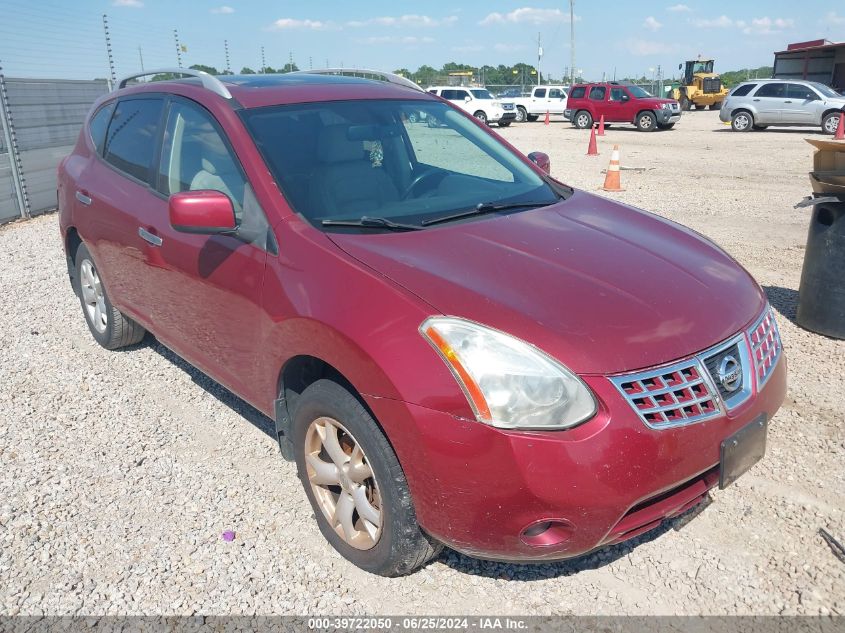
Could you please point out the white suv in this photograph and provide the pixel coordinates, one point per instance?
(479, 103)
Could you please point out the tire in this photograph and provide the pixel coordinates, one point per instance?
(533, 117)
(481, 116)
(583, 120)
(646, 121)
(108, 325)
(504, 123)
(831, 123)
(400, 546)
(521, 114)
(742, 121)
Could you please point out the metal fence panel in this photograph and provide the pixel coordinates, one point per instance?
(46, 115)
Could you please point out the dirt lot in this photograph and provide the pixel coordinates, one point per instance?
(120, 470)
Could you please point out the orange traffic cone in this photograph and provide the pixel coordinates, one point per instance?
(601, 126)
(546, 122)
(612, 181)
(593, 149)
(840, 129)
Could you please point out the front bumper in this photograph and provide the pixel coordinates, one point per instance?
(668, 116)
(477, 488)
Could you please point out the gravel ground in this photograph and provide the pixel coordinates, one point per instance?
(122, 469)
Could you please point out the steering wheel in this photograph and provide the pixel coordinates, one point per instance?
(416, 181)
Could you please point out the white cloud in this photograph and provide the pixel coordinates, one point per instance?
(679, 8)
(651, 24)
(646, 48)
(134, 4)
(223, 10)
(508, 48)
(293, 24)
(410, 20)
(768, 26)
(527, 15)
(468, 48)
(408, 40)
(833, 18)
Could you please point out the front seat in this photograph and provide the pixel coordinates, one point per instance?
(346, 183)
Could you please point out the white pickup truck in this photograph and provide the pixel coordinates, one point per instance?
(551, 99)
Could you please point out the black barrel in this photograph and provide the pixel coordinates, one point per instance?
(821, 298)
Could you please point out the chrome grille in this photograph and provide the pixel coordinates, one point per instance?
(670, 396)
(765, 346)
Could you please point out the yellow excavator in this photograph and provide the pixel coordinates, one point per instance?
(700, 87)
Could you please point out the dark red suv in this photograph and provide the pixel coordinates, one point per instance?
(620, 103)
(456, 348)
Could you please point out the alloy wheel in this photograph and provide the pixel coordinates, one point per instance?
(92, 295)
(343, 483)
(831, 124)
(742, 121)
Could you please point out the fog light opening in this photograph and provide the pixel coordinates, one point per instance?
(548, 533)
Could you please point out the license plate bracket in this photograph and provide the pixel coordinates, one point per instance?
(742, 450)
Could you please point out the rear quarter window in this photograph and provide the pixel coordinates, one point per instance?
(578, 93)
(99, 124)
(742, 91)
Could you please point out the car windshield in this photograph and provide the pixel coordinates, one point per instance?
(826, 91)
(639, 93)
(481, 94)
(405, 161)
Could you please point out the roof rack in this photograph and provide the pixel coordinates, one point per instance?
(380, 75)
(209, 82)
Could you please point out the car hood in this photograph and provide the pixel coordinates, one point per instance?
(601, 286)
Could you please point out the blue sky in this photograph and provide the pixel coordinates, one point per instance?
(65, 39)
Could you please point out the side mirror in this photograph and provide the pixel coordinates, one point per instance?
(541, 159)
(204, 212)
(625, 98)
(467, 99)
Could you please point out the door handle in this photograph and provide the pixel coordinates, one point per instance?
(756, 99)
(787, 102)
(155, 240)
(84, 199)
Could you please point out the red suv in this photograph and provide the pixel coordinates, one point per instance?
(620, 103)
(456, 348)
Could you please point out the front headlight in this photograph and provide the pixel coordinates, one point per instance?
(666, 106)
(509, 383)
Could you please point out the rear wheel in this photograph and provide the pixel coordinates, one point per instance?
(646, 122)
(504, 123)
(521, 114)
(742, 121)
(831, 123)
(481, 116)
(355, 484)
(582, 120)
(108, 325)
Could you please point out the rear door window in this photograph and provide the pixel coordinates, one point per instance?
(598, 93)
(540, 93)
(776, 91)
(131, 138)
(743, 90)
(555, 93)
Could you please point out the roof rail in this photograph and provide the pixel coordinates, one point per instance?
(209, 82)
(380, 75)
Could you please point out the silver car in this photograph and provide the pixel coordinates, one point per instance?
(764, 102)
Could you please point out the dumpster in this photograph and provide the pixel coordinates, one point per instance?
(821, 296)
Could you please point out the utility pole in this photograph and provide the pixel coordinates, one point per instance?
(539, 56)
(108, 50)
(572, 39)
(141, 57)
(178, 48)
(310, 63)
(226, 48)
(263, 63)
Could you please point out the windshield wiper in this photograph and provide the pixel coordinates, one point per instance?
(366, 222)
(485, 207)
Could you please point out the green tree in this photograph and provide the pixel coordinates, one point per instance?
(246, 70)
(211, 70)
(290, 67)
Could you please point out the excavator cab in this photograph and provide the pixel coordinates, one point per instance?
(696, 67)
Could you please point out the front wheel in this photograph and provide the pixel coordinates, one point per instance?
(646, 122)
(521, 114)
(742, 121)
(108, 325)
(481, 116)
(355, 484)
(831, 123)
